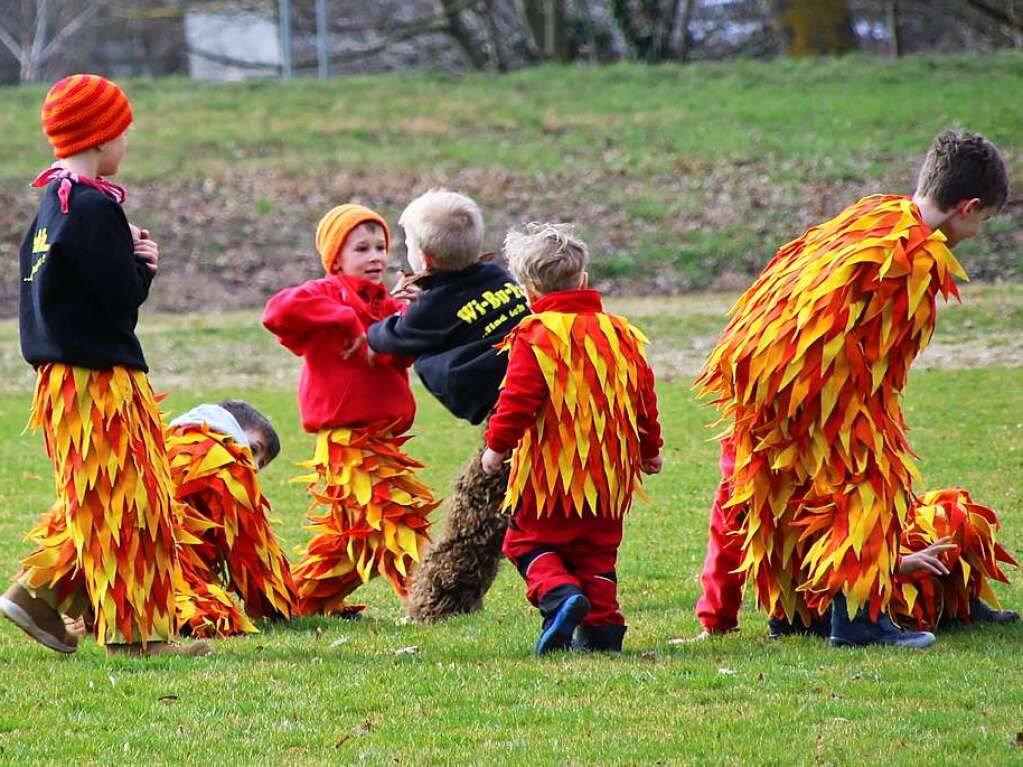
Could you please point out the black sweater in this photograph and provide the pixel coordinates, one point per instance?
(451, 330)
(81, 285)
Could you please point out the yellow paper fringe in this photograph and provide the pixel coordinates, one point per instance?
(110, 531)
(810, 372)
(217, 478)
(582, 456)
(368, 517)
(922, 599)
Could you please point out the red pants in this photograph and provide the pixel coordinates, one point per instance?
(576, 551)
(718, 608)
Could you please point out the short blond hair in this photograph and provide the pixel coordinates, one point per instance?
(447, 226)
(546, 257)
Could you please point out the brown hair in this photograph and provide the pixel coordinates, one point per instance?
(250, 418)
(961, 166)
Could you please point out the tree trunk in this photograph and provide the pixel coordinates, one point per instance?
(636, 40)
(494, 35)
(687, 14)
(892, 14)
(815, 27)
(545, 28)
(462, 34)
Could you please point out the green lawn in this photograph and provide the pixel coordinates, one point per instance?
(322, 691)
(679, 178)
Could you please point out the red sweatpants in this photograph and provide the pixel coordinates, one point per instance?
(555, 551)
(718, 608)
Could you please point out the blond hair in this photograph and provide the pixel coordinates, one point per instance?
(546, 257)
(445, 225)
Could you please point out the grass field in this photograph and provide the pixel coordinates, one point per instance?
(680, 178)
(322, 691)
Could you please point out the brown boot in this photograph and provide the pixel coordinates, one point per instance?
(37, 619)
(194, 649)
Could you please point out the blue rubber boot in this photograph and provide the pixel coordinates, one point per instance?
(563, 608)
(861, 631)
(599, 639)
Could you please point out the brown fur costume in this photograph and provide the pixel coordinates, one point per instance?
(460, 565)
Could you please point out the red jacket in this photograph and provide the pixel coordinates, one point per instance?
(525, 388)
(317, 320)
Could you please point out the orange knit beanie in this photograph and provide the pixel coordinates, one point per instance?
(335, 227)
(84, 111)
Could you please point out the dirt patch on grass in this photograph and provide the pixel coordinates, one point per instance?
(215, 350)
(230, 240)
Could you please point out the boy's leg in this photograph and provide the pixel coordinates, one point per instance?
(593, 558)
(718, 606)
(535, 547)
(460, 565)
(372, 518)
(116, 498)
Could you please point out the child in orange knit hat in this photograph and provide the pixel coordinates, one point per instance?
(368, 511)
(107, 545)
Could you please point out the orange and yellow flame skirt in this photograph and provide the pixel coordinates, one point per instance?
(110, 532)
(231, 535)
(368, 517)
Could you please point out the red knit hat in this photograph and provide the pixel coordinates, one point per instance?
(84, 111)
(335, 227)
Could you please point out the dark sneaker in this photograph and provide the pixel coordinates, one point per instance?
(195, 649)
(37, 619)
(561, 622)
(599, 639)
(982, 612)
(862, 632)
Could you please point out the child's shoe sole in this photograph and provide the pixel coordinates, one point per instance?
(23, 621)
(558, 636)
(918, 641)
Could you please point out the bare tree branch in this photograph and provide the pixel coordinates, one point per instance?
(461, 33)
(687, 14)
(72, 28)
(9, 42)
(997, 14)
(230, 61)
(39, 36)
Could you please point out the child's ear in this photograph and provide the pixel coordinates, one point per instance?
(584, 280)
(966, 207)
(531, 295)
(428, 261)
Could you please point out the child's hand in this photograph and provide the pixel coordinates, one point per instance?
(929, 559)
(492, 461)
(406, 288)
(146, 250)
(652, 465)
(353, 348)
(407, 293)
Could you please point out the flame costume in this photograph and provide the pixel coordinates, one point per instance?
(920, 600)
(107, 544)
(368, 513)
(809, 374)
(579, 408)
(230, 538)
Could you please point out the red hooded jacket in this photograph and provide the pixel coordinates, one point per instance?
(318, 320)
